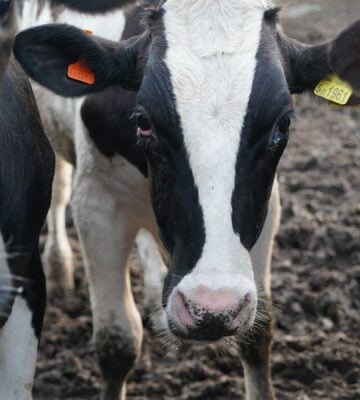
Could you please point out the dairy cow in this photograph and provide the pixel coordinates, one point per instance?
(209, 86)
(26, 171)
(59, 118)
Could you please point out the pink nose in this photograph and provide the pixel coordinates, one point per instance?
(208, 314)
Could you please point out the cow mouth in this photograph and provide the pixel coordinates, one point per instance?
(201, 333)
(201, 336)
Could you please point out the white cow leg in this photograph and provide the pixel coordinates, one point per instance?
(256, 355)
(107, 234)
(154, 271)
(58, 258)
(19, 336)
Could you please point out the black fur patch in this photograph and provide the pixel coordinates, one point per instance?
(26, 171)
(107, 116)
(259, 152)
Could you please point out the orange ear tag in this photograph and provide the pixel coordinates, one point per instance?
(80, 71)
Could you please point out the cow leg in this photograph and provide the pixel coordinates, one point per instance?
(18, 347)
(256, 353)
(19, 336)
(58, 259)
(154, 270)
(107, 234)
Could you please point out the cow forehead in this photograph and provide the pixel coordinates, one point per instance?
(211, 56)
(210, 26)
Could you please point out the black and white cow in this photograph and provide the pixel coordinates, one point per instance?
(26, 171)
(209, 84)
(59, 118)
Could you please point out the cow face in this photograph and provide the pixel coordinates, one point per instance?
(214, 82)
(7, 32)
(213, 138)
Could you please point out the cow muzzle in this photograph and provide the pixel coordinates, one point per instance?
(207, 315)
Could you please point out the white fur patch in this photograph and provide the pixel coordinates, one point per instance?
(212, 46)
(109, 26)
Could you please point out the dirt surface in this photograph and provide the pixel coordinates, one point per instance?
(316, 272)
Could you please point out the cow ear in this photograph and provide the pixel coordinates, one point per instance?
(47, 52)
(308, 65)
(94, 6)
(344, 55)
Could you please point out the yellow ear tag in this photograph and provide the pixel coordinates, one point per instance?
(334, 89)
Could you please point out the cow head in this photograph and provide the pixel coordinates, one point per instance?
(214, 82)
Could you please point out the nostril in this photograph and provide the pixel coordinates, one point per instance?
(181, 308)
(182, 298)
(205, 313)
(244, 312)
(249, 298)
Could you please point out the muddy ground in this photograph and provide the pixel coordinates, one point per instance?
(316, 272)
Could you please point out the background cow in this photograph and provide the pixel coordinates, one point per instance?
(198, 230)
(26, 171)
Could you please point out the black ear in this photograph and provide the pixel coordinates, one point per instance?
(94, 6)
(308, 65)
(46, 52)
(344, 55)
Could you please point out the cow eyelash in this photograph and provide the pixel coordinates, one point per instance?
(281, 132)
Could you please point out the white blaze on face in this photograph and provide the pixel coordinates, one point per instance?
(211, 56)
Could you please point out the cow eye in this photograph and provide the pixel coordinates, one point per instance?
(4, 6)
(281, 132)
(144, 127)
(284, 124)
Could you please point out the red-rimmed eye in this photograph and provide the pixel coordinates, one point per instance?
(144, 126)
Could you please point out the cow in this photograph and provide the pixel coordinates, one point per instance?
(26, 172)
(59, 119)
(208, 85)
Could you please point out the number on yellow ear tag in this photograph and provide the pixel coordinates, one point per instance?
(334, 89)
